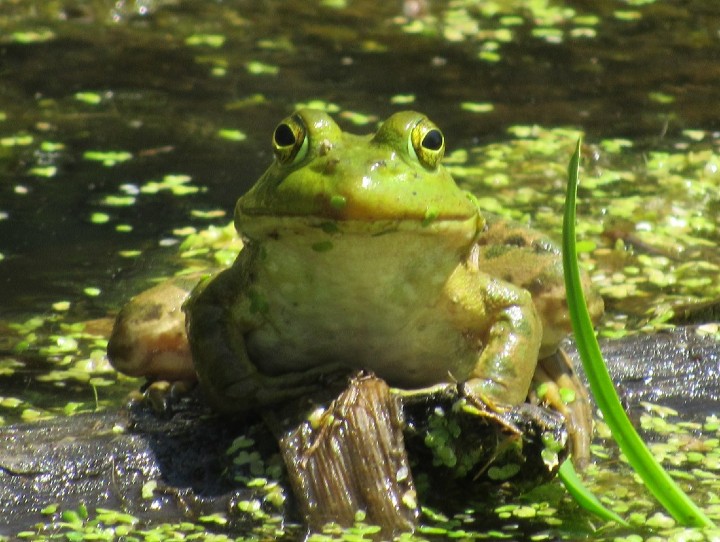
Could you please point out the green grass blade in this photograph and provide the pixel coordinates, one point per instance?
(656, 479)
(583, 496)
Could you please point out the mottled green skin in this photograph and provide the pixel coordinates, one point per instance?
(346, 177)
(359, 256)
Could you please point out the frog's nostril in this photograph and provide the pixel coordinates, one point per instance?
(325, 147)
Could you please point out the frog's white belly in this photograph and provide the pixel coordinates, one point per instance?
(370, 302)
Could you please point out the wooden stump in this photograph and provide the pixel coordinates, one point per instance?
(353, 458)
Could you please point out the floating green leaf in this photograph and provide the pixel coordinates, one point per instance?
(477, 107)
(99, 218)
(178, 184)
(208, 40)
(402, 99)
(260, 68)
(92, 98)
(108, 158)
(92, 291)
(45, 171)
(19, 140)
(232, 135)
(31, 36)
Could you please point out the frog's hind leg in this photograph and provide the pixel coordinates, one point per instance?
(231, 382)
(556, 384)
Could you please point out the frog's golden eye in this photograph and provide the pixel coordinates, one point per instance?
(428, 143)
(289, 140)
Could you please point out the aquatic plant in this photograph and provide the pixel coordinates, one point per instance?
(656, 479)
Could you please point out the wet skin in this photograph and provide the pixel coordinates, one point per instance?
(361, 252)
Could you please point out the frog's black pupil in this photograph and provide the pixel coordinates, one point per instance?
(433, 140)
(284, 136)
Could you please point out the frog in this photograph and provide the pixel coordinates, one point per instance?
(361, 252)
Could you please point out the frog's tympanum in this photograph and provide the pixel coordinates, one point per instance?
(361, 252)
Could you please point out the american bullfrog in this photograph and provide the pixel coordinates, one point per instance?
(361, 252)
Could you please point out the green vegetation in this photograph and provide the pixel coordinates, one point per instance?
(160, 88)
(585, 497)
(657, 480)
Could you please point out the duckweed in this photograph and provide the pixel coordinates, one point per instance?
(358, 119)
(402, 99)
(107, 158)
(47, 171)
(32, 36)
(176, 184)
(260, 68)
(650, 209)
(91, 98)
(99, 218)
(19, 140)
(322, 105)
(208, 40)
(477, 107)
(627, 15)
(231, 134)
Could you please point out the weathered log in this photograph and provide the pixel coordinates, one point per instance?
(353, 458)
(105, 459)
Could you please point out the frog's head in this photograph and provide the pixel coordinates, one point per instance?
(322, 173)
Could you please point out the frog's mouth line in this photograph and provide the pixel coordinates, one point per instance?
(359, 214)
(263, 225)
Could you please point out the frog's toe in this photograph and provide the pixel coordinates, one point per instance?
(476, 394)
(487, 392)
(557, 385)
(265, 392)
(254, 391)
(161, 395)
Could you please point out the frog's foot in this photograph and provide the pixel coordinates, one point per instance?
(557, 385)
(256, 390)
(475, 393)
(423, 395)
(161, 395)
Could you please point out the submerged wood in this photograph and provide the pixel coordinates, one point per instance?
(104, 459)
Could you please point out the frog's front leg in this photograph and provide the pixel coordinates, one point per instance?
(216, 326)
(499, 323)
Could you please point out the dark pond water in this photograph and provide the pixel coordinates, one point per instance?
(192, 89)
(160, 101)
